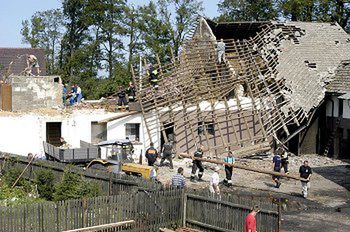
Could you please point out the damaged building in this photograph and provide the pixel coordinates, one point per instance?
(32, 112)
(270, 87)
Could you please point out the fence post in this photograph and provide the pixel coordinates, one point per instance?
(279, 216)
(57, 217)
(184, 208)
(110, 184)
(85, 208)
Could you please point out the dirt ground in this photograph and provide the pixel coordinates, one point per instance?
(326, 209)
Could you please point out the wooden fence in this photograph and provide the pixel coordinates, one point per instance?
(148, 203)
(109, 183)
(170, 208)
(226, 213)
(149, 210)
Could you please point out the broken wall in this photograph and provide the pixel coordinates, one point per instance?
(36, 92)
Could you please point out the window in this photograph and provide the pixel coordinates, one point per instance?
(206, 127)
(98, 132)
(132, 130)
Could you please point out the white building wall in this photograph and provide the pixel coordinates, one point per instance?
(346, 108)
(336, 107)
(22, 134)
(117, 130)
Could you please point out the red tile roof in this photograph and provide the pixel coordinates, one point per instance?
(18, 56)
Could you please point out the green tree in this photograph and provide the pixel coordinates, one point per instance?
(44, 30)
(45, 182)
(184, 17)
(75, 56)
(156, 33)
(298, 10)
(112, 30)
(317, 10)
(73, 186)
(247, 10)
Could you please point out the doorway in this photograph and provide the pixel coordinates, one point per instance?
(169, 132)
(53, 133)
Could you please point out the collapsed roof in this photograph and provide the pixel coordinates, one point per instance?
(278, 70)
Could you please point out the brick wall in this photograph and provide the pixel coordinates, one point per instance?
(36, 92)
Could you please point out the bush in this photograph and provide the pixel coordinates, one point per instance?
(16, 196)
(11, 176)
(73, 186)
(44, 180)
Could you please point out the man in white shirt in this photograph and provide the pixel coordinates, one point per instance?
(79, 94)
(221, 51)
(32, 62)
(214, 181)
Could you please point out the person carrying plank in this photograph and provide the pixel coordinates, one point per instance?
(228, 169)
(197, 164)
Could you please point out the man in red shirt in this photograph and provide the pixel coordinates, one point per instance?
(250, 221)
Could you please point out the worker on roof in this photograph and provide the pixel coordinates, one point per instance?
(131, 92)
(32, 62)
(73, 95)
(221, 51)
(79, 94)
(197, 164)
(122, 98)
(153, 76)
(229, 169)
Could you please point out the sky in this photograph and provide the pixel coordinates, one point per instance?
(13, 12)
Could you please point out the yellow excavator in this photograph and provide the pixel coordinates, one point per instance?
(119, 159)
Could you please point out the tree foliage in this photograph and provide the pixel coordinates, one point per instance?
(247, 10)
(74, 186)
(94, 42)
(45, 183)
(45, 30)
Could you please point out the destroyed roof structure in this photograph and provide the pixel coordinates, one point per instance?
(13, 60)
(273, 78)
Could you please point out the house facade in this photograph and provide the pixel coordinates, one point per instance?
(24, 133)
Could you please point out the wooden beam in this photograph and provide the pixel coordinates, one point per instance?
(185, 155)
(105, 226)
(118, 117)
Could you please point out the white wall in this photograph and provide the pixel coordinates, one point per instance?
(329, 107)
(346, 108)
(116, 130)
(21, 134)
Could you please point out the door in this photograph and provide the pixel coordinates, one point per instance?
(53, 133)
(169, 132)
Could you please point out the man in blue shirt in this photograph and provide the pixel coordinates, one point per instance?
(228, 169)
(178, 180)
(277, 164)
